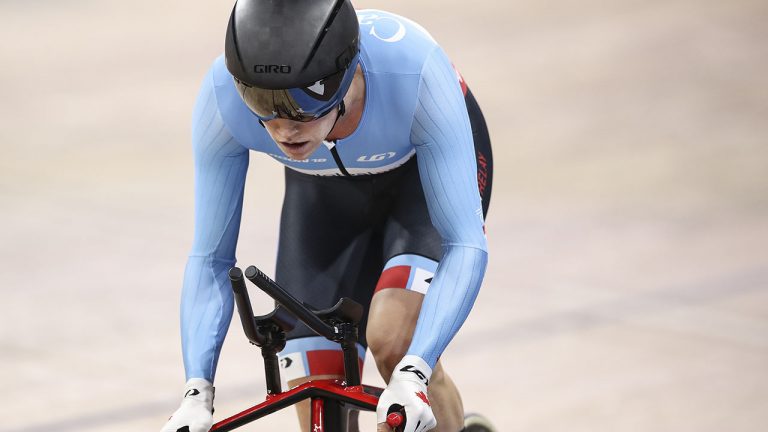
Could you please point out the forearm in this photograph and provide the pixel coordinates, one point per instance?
(450, 298)
(206, 310)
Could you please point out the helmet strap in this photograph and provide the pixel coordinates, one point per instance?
(342, 110)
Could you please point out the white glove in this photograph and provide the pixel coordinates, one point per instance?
(196, 411)
(408, 389)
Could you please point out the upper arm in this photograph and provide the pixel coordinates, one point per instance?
(220, 170)
(442, 136)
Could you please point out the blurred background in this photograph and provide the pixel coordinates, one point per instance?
(628, 283)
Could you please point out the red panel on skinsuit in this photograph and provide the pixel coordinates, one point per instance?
(328, 362)
(394, 277)
(461, 80)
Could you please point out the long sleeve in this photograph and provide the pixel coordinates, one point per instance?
(442, 136)
(207, 302)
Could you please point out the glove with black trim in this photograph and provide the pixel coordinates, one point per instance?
(196, 411)
(407, 391)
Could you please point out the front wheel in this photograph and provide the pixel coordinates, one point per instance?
(477, 423)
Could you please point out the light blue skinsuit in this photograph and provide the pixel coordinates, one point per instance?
(414, 105)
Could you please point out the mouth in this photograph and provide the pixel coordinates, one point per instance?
(295, 150)
(294, 145)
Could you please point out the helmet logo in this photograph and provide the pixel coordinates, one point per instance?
(317, 88)
(279, 69)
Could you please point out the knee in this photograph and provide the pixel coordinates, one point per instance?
(388, 348)
(391, 322)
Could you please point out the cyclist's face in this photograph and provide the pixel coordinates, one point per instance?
(297, 139)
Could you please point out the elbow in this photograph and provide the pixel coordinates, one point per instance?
(473, 241)
(475, 252)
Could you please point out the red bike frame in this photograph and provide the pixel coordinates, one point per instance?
(330, 402)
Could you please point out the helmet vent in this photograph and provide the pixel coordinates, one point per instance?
(326, 25)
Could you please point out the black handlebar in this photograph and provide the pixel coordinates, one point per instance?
(244, 308)
(269, 331)
(285, 299)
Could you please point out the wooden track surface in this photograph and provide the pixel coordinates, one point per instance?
(628, 283)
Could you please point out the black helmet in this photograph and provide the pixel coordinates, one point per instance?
(292, 58)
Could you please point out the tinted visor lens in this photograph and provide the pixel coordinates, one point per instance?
(298, 104)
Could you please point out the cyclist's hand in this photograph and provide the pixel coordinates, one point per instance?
(407, 391)
(196, 411)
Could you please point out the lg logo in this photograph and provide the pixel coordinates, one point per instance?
(389, 29)
(376, 157)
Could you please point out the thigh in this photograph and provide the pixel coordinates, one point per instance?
(327, 246)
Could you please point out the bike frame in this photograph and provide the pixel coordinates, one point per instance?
(330, 399)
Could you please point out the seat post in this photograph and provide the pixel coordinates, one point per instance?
(349, 348)
(271, 371)
(274, 343)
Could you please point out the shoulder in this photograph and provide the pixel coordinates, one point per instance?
(393, 44)
(223, 85)
(239, 120)
(219, 87)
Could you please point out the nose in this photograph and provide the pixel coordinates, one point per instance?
(284, 130)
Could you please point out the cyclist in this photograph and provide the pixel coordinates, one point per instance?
(387, 182)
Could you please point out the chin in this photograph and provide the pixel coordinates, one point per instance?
(297, 157)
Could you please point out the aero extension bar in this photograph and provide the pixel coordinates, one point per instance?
(288, 301)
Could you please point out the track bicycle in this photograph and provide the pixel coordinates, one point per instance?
(330, 399)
